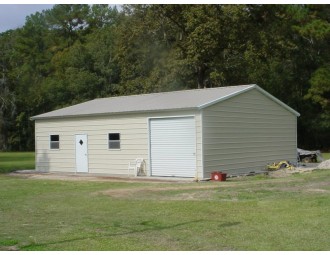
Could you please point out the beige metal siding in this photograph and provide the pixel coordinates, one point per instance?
(246, 132)
(133, 129)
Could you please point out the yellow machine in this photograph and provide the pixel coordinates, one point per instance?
(280, 165)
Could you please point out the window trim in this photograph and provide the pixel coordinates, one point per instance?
(52, 142)
(108, 139)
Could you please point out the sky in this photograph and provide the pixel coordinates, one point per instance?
(13, 16)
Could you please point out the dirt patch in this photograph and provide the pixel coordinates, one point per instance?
(119, 193)
(320, 187)
(318, 190)
(309, 188)
(207, 192)
(200, 195)
(287, 172)
(9, 248)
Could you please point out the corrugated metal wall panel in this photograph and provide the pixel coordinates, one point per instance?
(173, 147)
(134, 141)
(247, 132)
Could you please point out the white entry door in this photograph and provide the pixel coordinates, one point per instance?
(173, 147)
(81, 154)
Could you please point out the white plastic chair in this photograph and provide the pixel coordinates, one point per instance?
(138, 167)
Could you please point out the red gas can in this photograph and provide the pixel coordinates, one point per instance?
(218, 176)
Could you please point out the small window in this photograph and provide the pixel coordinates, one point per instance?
(54, 142)
(114, 141)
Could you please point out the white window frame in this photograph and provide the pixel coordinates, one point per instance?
(117, 141)
(54, 142)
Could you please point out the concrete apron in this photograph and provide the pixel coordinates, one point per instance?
(32, 174)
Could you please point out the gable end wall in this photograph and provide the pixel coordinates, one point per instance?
(245, 133)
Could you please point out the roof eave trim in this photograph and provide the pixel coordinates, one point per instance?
(226, 97)
(277, 100)
(110, 113)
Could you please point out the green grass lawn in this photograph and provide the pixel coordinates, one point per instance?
(11, 161)
(247, 213)
(326, 155)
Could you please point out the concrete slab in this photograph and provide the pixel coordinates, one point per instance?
(32, 174)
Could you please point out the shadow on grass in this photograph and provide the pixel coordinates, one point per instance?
(148, 226)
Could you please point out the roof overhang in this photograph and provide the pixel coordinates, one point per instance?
(112, 113)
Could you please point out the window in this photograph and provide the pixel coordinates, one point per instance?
(54, 142)
(114, 141)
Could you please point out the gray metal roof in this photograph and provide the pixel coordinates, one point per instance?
(177, 100)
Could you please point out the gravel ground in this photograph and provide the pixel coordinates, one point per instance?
(324, 165)
(305, 167)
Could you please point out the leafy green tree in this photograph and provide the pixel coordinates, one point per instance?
(313, 27)
(102, 15)
(7, 97)
(74, 53)
(68, 21)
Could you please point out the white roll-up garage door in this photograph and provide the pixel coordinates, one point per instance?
(173, 147)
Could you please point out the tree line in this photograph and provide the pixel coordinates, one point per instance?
(73, 53)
